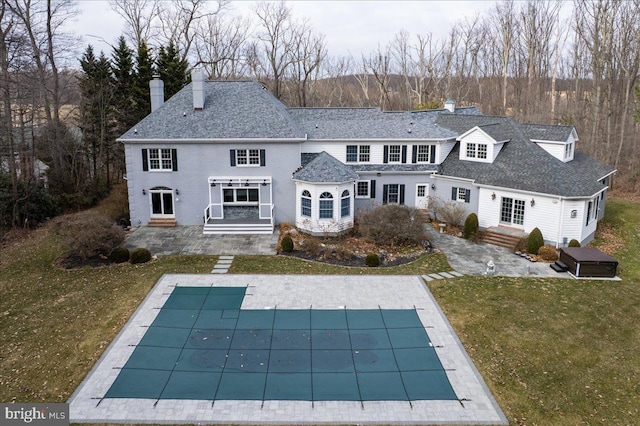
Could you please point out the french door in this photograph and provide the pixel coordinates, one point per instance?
(512, 211)
(162, 203)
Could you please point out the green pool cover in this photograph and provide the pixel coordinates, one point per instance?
(203, 346)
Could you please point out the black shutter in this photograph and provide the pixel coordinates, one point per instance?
(232, 157)
(401, 194)
(174, 160)
(432, 154)
(263, 158)
(386, 154)
(454, 193)
(372, 189)
(385, 194)
(404, 153)
(145, 160)
(414, 154)
(467, 195)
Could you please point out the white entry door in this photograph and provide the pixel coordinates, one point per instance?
(422, 196)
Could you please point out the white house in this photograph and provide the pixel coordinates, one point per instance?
(230, 157)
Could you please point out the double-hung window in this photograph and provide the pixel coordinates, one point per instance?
(326, 206)
(423, 154)
(461, 194)
(482, 151)
(477, 150)
(362, 188)
(394, 153)
(305, 203)
(248, 157)
(345, 204)
(471, 150)
(358, 153)
(160, 159)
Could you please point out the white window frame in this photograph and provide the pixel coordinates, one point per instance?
(326, 197)
(461, 194)
(368, 184)
(395, 154)
(396, 194)
(346, 196)
(423, 157)
(568, 149)
(471, 150)
(160, 160)
(482, 151)
(248, 157)
(363, 153)
(305, 196)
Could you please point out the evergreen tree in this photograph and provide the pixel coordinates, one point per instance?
(144, 74)
(123, 83)
(96, 114)
(172, 70)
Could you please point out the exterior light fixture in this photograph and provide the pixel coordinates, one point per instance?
(213, 183)
(433, 186)
(229, 184)
(493, 196)
(177, 191)
(246, 183)
(264, 182)
(144, 192)
(532, 202)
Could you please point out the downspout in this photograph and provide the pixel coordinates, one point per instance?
(561, 222)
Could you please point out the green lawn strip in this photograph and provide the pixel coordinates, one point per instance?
(552, 351)
(55, 324)
(426, 264)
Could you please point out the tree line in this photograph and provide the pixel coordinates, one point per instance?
(544, 61)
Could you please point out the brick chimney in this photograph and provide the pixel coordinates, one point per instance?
(156, 88)
(197, 84)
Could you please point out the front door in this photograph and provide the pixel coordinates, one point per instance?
(422, 196)
(162, 204)
(512, 211)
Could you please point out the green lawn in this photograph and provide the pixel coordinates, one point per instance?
(559, 352)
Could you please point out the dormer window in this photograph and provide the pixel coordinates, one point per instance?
(568, 151)
(477, 150)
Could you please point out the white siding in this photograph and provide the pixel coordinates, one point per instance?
(553, 148)
(572, 226)
(314, 224)
(477, 136)
(544, 214)
(443, 150)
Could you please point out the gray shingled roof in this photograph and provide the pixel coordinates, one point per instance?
(500, 132)
(368, 123)
(547, 132)
(324, 168)
(522, 164)
(232, 109)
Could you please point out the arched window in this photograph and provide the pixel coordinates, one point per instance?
(345, 204)
(305, 203)
(326, 205)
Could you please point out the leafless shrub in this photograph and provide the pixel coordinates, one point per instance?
(392, 224)
(88, 234)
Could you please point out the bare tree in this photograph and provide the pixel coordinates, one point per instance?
(139, 16)
(309, 50)
(220, 47)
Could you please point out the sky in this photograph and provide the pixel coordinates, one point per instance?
(351, 27)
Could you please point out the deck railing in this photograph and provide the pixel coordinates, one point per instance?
(216, 211)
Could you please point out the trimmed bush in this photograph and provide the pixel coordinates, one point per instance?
(140, 255)
(574, 243)
(535, 241)
(372, 260)
(89, 234)
(470, 231)
(548, 253)
(286, 244)
(119, 255)
(392, 224)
